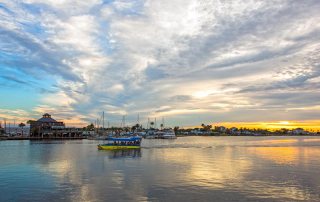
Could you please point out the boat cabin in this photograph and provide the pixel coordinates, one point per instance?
(132, 141)
(121, 143)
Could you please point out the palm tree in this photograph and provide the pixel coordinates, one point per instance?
(30, 121)
(90, 127)
(135, 127)
(206, 127)
(175, 129)
(21, 125)
(151, 124)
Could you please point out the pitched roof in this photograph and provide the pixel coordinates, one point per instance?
(46, 118)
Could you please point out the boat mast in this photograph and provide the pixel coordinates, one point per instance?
(97, 125)
(103, 121)
(14, 126)
(5, 126)
(162, 125)
(123, 122)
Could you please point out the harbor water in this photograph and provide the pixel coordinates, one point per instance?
(184, 169)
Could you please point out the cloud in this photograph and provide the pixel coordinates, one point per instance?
(202, 60)
(16, 80)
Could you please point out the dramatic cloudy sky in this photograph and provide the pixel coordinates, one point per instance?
(188, 61)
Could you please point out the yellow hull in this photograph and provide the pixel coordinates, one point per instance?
(113, 147)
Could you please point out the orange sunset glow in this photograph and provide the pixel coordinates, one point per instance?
(274, 125)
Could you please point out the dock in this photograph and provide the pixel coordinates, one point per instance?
(41, 138)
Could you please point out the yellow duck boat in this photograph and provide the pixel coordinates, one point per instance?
(121, 143)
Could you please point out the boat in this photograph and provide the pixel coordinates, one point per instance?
(169, 135)
(121, 143)
(162, 134)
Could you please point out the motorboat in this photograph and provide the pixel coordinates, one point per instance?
(169, 135)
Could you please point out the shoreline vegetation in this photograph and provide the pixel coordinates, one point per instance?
(208, 130)
(266, 135)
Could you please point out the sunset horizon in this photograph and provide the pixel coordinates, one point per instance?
(311, 125)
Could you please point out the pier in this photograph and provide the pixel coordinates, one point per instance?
(40, 138)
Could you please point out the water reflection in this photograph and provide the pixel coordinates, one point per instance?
(287, 155)
(279, 155)
(203, 169)
(128, 153)
(210, 168)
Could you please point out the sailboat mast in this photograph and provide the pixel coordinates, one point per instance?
(124, 120)
(5, 125)
(103, 120)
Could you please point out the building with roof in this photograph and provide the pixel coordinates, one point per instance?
(299, 131)
(45, 126)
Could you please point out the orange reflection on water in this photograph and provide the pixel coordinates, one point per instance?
(214, 168)
(279, 142)
(279, 155)
(311, 140)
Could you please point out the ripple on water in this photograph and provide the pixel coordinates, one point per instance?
(184, 169)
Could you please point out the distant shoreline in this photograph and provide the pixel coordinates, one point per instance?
(273, 135)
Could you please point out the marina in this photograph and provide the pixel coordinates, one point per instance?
(164, 101)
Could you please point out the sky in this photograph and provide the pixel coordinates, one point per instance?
(185, 61)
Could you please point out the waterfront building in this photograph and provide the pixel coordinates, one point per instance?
(234, 131)
(220, 129)
(299, 131)
(47, 127)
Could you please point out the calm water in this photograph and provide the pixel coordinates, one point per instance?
(186, 169)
